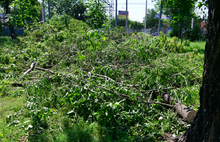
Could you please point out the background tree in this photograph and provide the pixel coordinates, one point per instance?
(194, 34)
(134, 25)
(151, 21)
(5, 4)
(180, 10)
(96, 13)
(74, 8)
(206, 124)
(20, 13)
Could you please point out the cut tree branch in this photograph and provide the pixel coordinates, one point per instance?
(119, 94)
(169, 88)
(15, 84)
(31, 68)
(156, 103)
(38, 68)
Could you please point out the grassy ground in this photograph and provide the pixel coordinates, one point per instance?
(69, 108)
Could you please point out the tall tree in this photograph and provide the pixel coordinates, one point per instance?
(151, 21)
(74, 8)
(19, 13)
(180, 10)
(206, 125)
(5, 4)
(96, 13)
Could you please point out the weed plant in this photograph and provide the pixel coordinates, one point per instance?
(103, 80)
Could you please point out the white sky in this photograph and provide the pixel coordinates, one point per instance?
(136, 8)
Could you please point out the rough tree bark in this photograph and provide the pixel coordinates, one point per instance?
(206, 125)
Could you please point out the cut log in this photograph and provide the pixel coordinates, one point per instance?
(187, 113)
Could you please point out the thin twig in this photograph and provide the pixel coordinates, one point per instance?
(33, 78)
(156, 103)
(68, 79)
(185, 71)
(115, 81)
(150, 96)
(120, 94)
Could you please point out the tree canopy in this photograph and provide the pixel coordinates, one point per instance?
(74, 8)
(20, 13)
(151, 21)
(134, 25)
(180, 10)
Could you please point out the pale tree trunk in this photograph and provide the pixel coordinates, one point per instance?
(206, 125)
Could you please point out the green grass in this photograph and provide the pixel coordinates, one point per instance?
(71, 105)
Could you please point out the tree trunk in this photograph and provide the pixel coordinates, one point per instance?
(206, 125)
(11, 27)
(181, 34)
(6, 6)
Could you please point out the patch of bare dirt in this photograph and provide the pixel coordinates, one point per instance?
(168, 137)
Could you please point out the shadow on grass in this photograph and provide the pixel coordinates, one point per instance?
(79, 132)
(85, 132)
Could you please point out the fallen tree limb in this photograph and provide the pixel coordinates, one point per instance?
(120, 94)
(169, 88)
(156, 103)
(38, 68)
(15, 84)
(187, 113)
(151, 95)
(33, 78)
(68, 79)
(31, 68)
